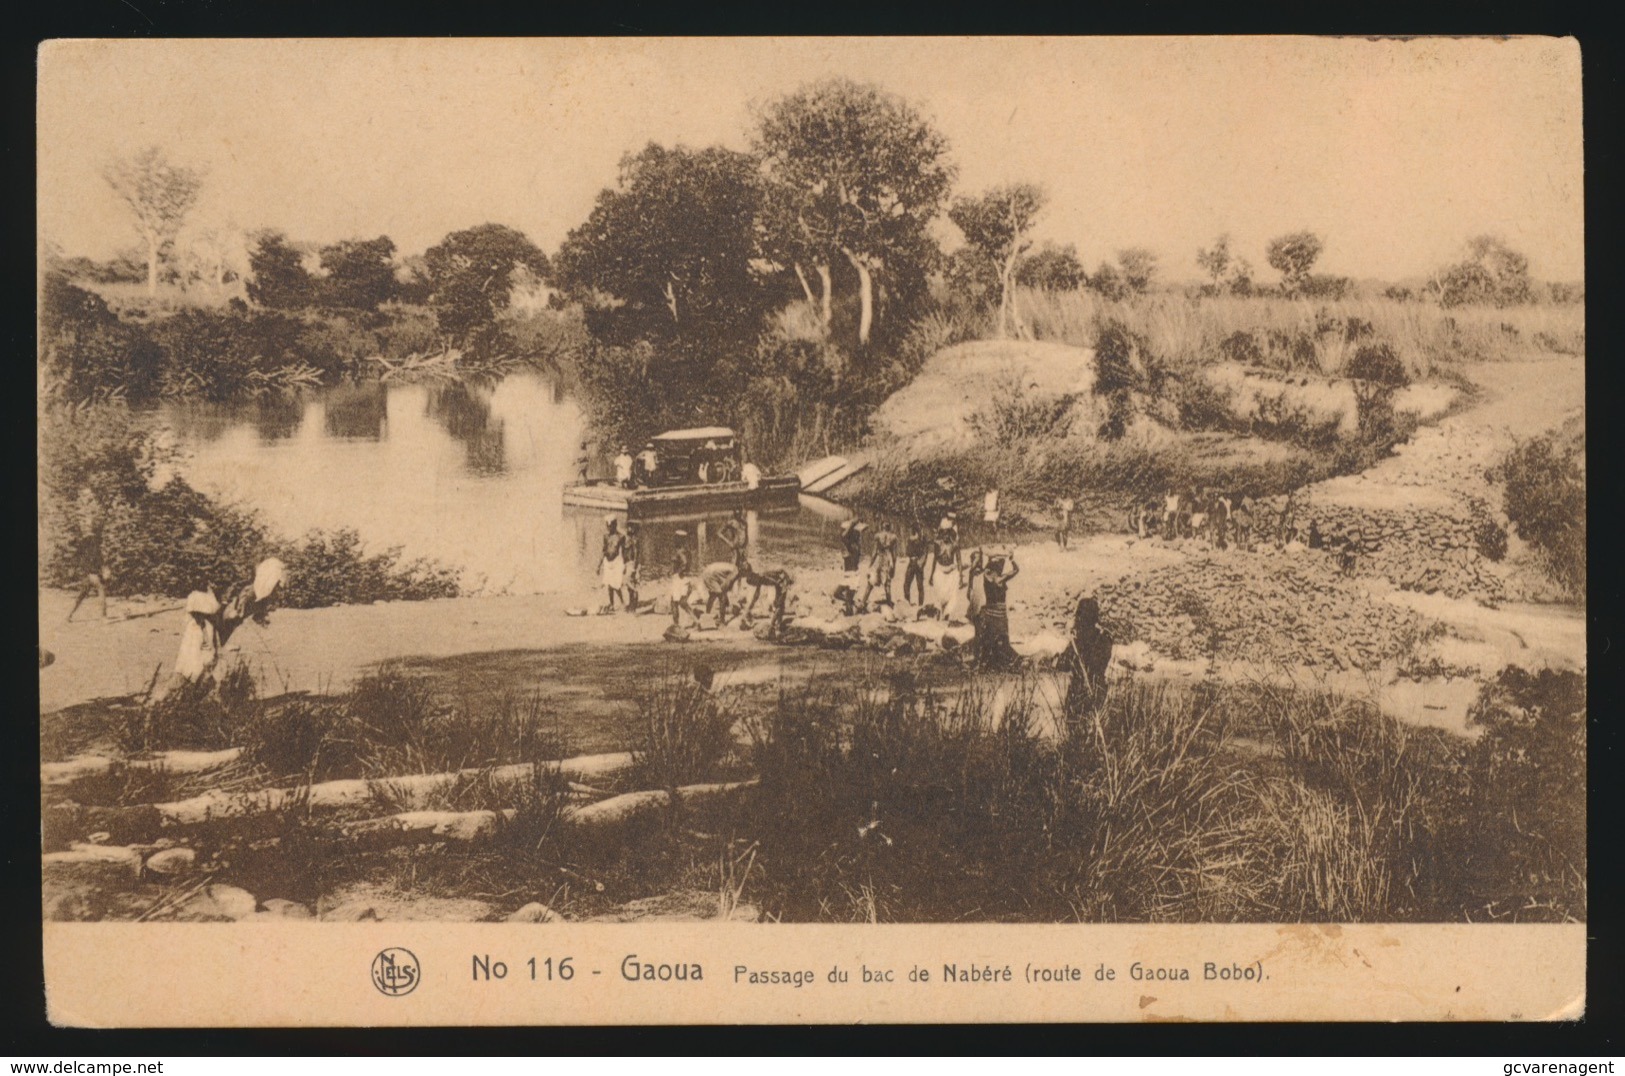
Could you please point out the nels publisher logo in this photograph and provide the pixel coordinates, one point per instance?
(395, 972)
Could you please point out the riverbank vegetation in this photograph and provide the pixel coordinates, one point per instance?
(112, 504)
(916, 793)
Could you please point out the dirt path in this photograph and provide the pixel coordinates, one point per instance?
(317, 649)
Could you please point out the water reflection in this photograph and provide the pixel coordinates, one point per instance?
(470, 475)
(356, 411)
(464, 411)
(278, 416)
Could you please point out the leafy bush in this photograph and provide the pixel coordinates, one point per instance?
(1546, 502)
(333, 568)
(88, 352)
(102, 511)
(1524, 836)
(1015, 416)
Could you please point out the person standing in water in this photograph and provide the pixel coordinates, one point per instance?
(612, 565)
(1063, 529)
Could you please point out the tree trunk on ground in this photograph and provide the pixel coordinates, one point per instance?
(806, 288)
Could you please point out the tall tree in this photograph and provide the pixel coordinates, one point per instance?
(857, 175)
(280, 280)
(998, 226)
(360, 272)
(471, 276)
(1293, 255)
(160, 194)
(668, 252)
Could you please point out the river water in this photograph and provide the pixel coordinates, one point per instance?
(468, 474)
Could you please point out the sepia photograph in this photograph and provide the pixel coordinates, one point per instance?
(787, 481)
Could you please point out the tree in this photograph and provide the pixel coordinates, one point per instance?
(360, 273)
(89, 352)
(1293, 255)
(280, 280)
(160, 194)
(1108, 282)
(1376, 373)
(1215, 262)
(856, 174)
(471, 276)
(1491, 273)
(214, 256)
(1138, 266)
(997, 225)
(1051, 268)
(668, 251)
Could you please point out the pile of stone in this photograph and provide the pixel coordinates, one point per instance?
(1434, 550)
(1275, 609)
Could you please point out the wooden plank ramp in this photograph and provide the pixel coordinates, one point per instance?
(829, 481)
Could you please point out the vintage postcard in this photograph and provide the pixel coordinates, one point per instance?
(606, 531)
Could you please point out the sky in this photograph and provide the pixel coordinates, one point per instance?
(1394, 152)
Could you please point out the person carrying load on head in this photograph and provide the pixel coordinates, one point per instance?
(992, 641)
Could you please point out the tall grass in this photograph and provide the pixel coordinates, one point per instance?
(1309, 335)
(895, 801)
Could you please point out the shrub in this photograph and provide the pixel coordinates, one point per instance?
(333, 568)
(1523, 837)
(1545, 500)
(1115, 350)
(683, 732)
(1014, 416)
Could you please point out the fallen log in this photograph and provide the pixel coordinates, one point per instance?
(602, 820)
(146, 821)
(81, 767)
